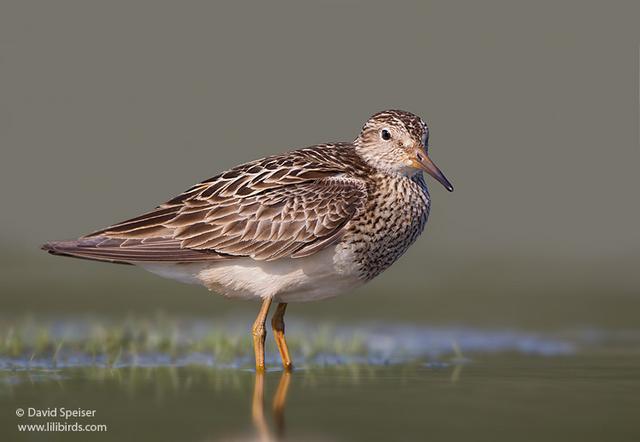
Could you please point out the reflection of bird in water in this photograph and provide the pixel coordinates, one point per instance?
(300, 226)
(279, 402)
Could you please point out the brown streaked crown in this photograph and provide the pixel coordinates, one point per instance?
(414, 126)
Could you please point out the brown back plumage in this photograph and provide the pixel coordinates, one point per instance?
(289, 205)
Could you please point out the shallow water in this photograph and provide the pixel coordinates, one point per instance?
(508, 397)
(391, 382)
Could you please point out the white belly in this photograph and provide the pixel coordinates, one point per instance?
(323, 275)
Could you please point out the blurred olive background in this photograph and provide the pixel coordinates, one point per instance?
(109, 108)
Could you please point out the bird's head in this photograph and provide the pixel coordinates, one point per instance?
(397, 142)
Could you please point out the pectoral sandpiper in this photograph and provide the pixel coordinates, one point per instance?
(300, 226)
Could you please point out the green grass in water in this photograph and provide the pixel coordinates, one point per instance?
(26, 341)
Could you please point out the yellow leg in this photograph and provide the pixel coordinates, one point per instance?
(277, 324)
(259, 334)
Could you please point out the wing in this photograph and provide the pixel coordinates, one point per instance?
(288, 206)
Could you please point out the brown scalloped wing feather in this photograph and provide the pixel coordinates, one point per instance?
(291, 205)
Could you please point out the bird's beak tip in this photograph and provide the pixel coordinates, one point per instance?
(425, 163)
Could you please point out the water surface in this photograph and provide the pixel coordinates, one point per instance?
(395, 382)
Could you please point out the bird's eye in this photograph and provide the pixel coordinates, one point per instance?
(385, 134)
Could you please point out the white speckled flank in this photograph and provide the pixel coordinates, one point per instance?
(286, 280)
